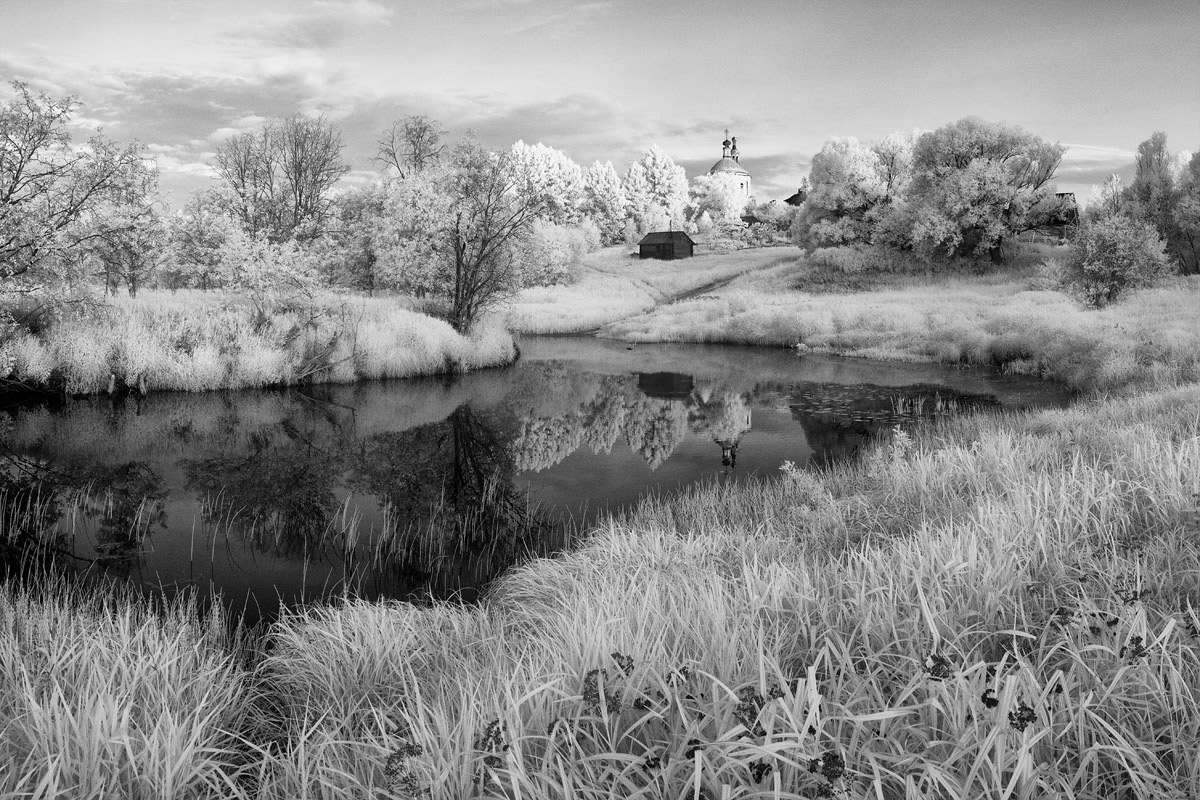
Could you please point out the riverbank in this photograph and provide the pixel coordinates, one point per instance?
(1006, 319)
(996, 603)
(200, 341)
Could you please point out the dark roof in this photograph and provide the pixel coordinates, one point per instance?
(665, 237)
(797, 199)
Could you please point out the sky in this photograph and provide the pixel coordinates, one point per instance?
(605, 79)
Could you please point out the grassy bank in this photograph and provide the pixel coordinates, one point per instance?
(998, 604)
(1150, 338)
(198, 341)
(614, 284)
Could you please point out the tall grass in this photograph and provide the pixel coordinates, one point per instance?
(998, 607)
(195, 341)
(103, 696)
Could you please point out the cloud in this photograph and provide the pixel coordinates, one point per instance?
(317, 25)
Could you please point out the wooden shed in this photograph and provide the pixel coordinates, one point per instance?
(666, 244)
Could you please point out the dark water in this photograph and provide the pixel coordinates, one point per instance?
(433, 487)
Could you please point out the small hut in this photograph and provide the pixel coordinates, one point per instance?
(666, 244)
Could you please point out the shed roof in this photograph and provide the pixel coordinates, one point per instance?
(665, 237)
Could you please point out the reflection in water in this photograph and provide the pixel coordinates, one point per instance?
(419, 488)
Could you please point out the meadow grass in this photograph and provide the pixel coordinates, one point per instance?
(200, 341)
(1151, 337)
(997, 606)
(614, 283)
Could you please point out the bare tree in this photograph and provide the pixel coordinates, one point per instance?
(411, 144)
(280, 178)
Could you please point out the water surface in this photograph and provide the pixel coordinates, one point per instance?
(432, 487)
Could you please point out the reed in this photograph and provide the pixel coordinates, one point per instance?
(196, 341)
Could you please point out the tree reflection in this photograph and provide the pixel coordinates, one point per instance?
(30, 510)
(454, 515)
(126, 500)
(279, 490)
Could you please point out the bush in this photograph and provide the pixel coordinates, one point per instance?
(1112, 255)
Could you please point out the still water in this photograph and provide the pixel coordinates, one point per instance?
(432, 487)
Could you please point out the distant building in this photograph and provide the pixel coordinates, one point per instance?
(667, 245)
(730, 169)
(1068, 214)
(798, 198)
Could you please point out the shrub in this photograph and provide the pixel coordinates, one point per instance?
(1112, 255)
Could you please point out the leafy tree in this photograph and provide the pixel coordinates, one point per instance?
(846, 184)
(552, 181)
(1112, 255)
(976, 184)
(50, 190)
(1107, 199)
(411, 145)
(1186, 216)
(267, 273)
(352, 255)
(716, 195)
(197, 234)
(281, 178)
(488, 217)
(638, 195)
(127, 235)
(604, 202)
(668, 184)
(460, 231)
(1158, 189)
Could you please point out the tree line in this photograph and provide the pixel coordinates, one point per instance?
(449, 220)
(968, 189)
(467, 226)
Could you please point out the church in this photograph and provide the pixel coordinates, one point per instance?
(729, 168)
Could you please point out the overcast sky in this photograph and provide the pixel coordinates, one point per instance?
(604, 80)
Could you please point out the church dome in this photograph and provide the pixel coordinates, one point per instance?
(729, 166)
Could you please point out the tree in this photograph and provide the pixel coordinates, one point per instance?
(667, 182)
(49, 189)
(716, 195)
(551, 180)
(976, 184)
(1108, 199)
(638, 195)
(460, 230)
(411, 145)
(604, 201)
(197, 233)
(353, 253)
(1160, 185)
(488, 218)
(281, 178)
(1113, 254)
(127, 235)
(1186, 216)
(846, 184)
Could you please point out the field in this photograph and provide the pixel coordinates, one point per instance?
(614, 283)
(992, 606)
